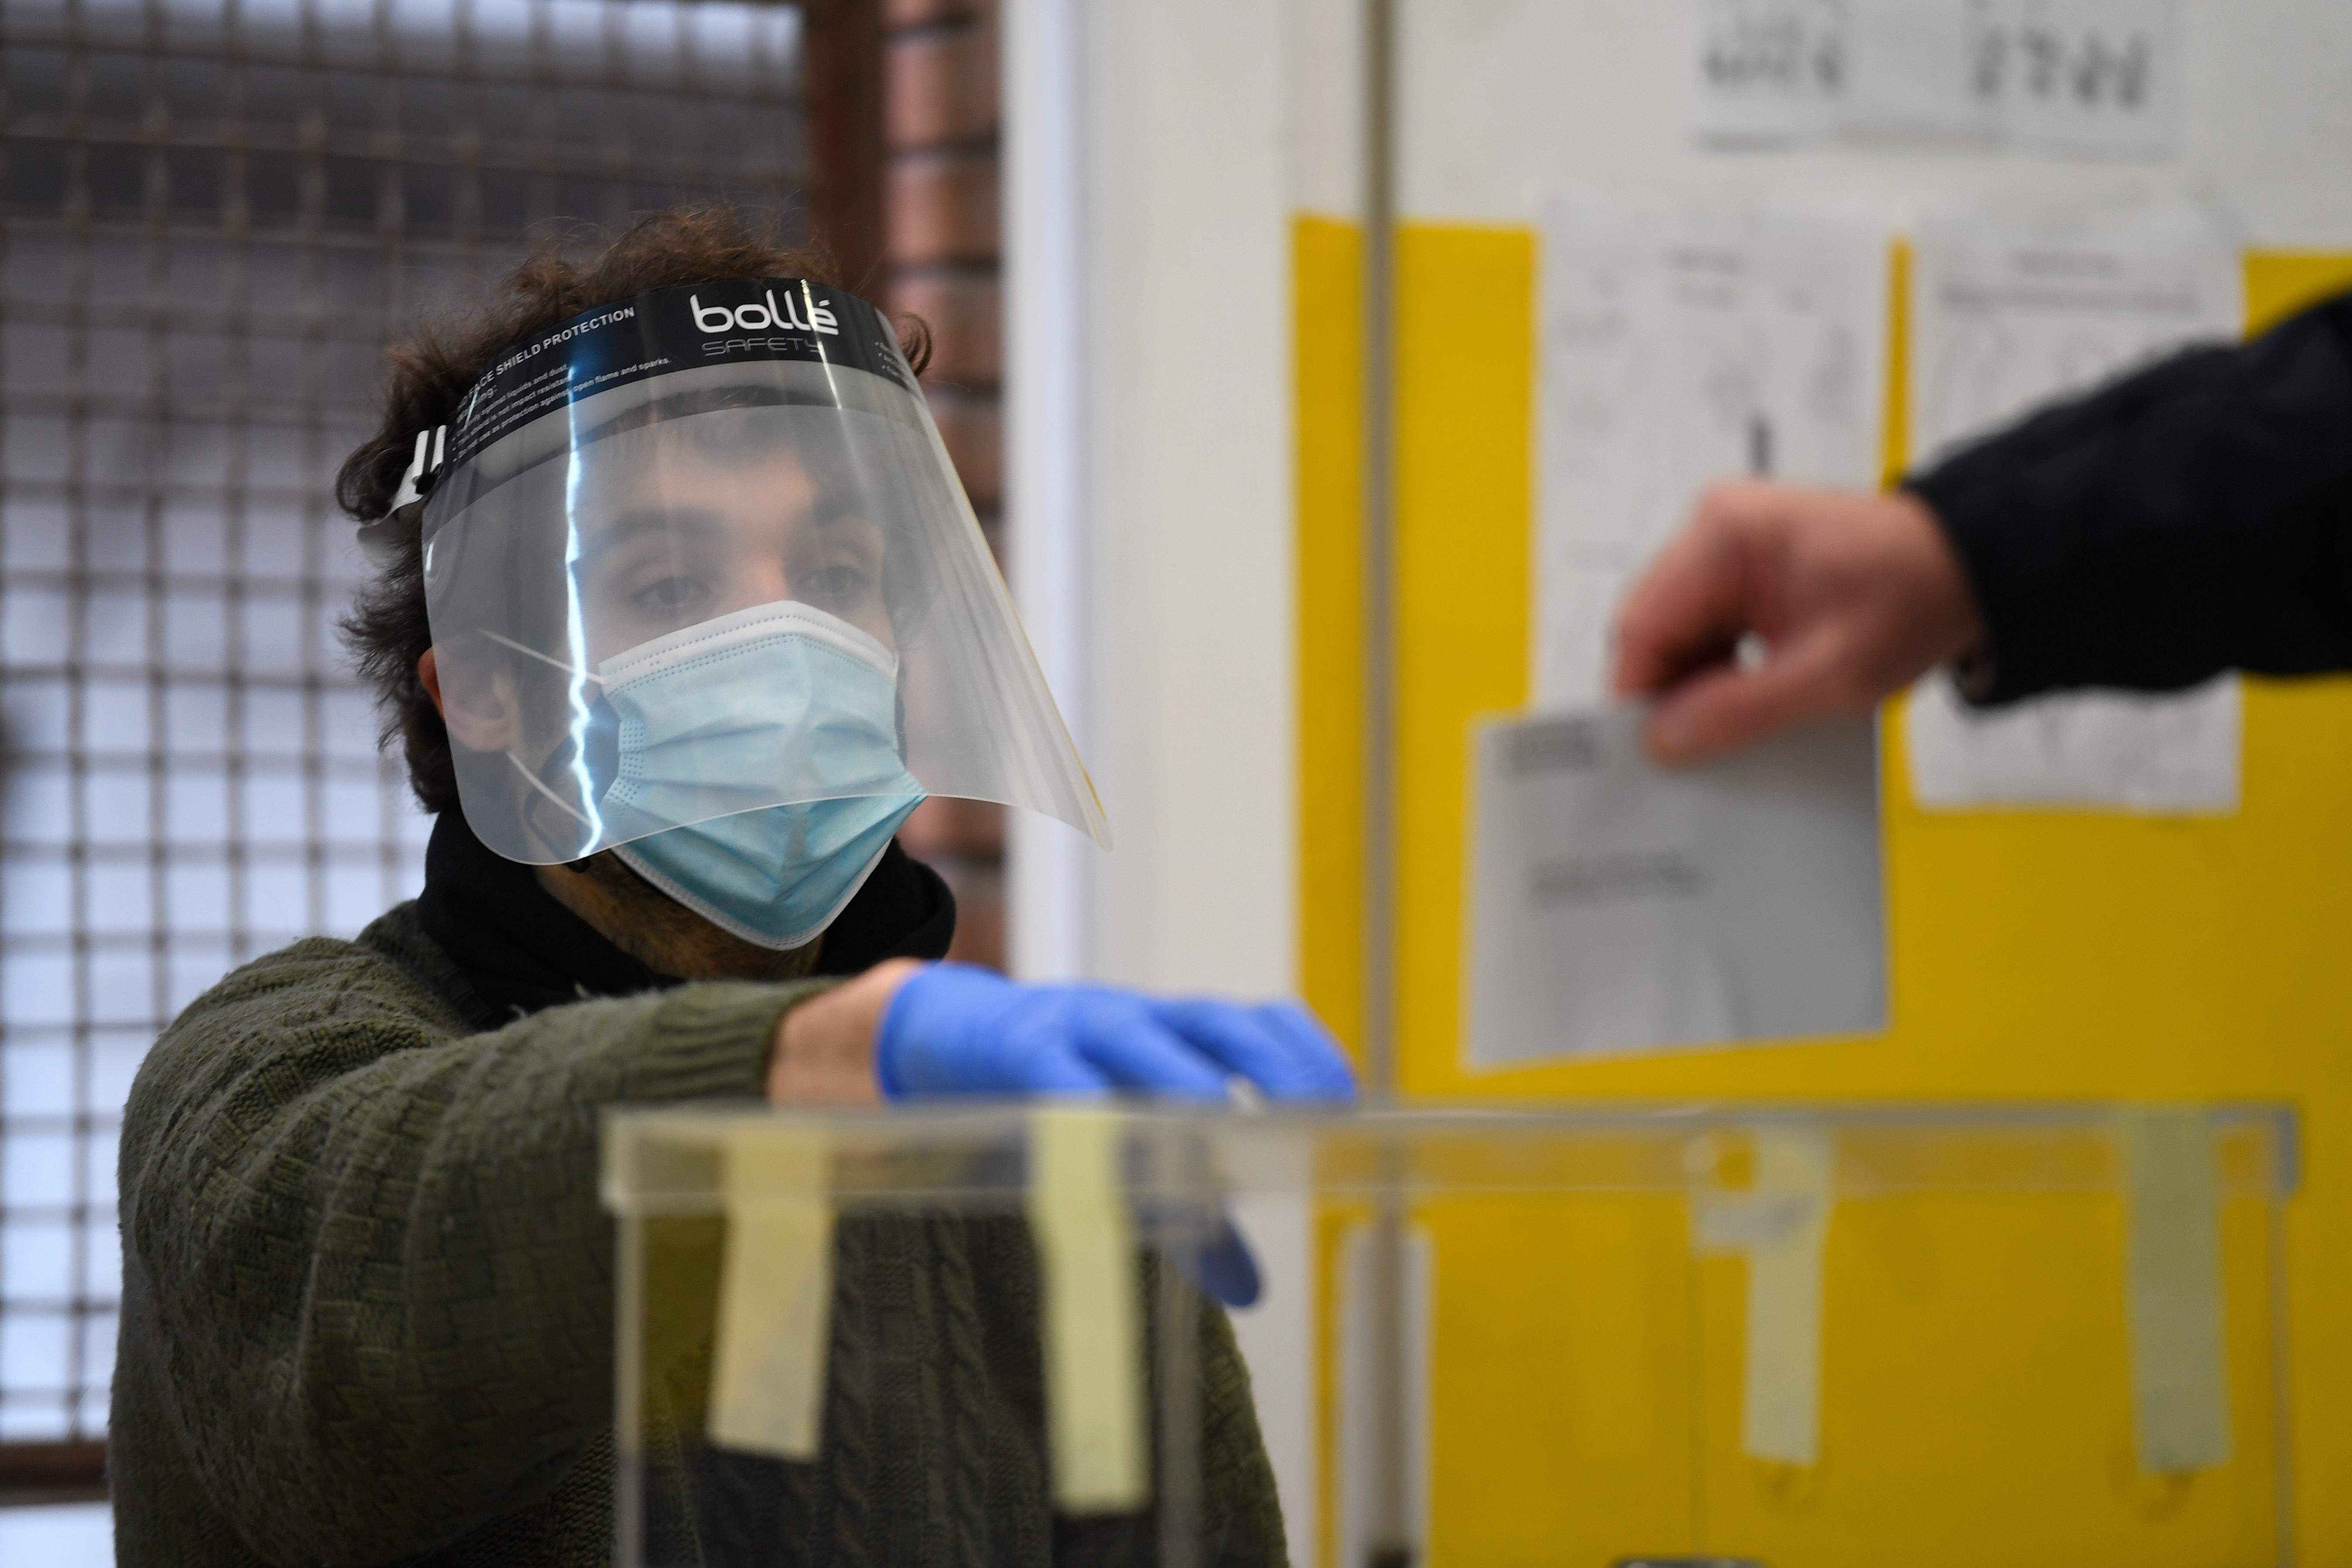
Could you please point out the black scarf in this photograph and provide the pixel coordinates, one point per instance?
(524, 952)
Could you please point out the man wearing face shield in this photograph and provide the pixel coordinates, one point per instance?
(680, 613)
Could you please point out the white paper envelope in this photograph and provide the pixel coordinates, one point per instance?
(1619, 906)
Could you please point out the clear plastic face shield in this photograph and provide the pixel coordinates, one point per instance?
(703, 553)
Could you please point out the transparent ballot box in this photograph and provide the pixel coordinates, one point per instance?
(1789, 1337)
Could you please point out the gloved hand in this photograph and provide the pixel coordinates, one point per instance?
(955, 1029)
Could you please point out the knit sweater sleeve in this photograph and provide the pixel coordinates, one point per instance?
(368, 1242)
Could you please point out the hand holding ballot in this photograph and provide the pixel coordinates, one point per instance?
(1847, 597)
(2181, 521)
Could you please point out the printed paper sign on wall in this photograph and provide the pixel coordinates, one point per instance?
(1680, 348)
(2061, 74)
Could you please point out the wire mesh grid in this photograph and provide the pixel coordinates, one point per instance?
(216, 214)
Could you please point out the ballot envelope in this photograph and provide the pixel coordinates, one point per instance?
(1784, 1335)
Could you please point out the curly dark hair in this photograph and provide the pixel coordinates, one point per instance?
(432, 371)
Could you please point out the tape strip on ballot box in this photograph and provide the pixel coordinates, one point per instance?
(2180, 1385)
(1782, 1225)
(1093, 1317)
(775, 1293)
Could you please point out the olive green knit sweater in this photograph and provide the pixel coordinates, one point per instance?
(367, 1310)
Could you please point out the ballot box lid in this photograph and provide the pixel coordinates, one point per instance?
(662, 1160)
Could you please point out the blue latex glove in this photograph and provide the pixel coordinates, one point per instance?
(955, 1029)
(1225, 1268)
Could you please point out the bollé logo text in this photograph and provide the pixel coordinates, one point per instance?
(758, 318)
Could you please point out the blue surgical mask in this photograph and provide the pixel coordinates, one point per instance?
(710, 723)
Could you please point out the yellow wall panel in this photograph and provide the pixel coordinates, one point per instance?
(2033, 954)
(1585, 1380)
(1464, 493)
(1326, 298)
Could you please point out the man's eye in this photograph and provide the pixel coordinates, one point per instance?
(834, 585)
(669, 597)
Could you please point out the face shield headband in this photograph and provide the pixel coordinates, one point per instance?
(702, 553)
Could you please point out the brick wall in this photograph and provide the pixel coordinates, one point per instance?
(940, 262)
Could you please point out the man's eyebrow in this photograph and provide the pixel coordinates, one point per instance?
(831, 508)
(639, 522)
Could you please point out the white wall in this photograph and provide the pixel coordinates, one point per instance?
(1147, 252)
(1050, 868)
(1178, 656)
(1506, 100)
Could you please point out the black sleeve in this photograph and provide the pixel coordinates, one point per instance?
(2192, 517)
